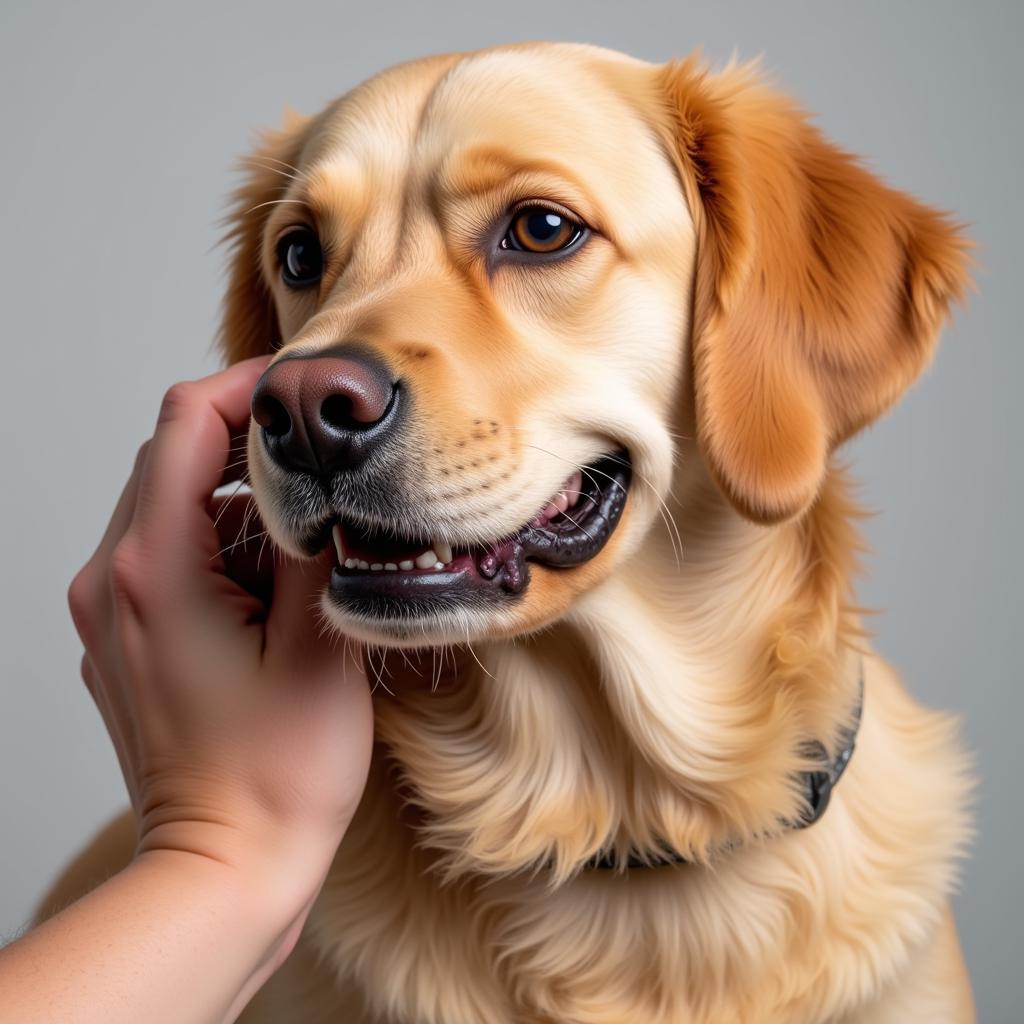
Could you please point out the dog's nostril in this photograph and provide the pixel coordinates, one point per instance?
(271, 415)
(336, 411)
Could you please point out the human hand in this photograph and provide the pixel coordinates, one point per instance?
(243, 735)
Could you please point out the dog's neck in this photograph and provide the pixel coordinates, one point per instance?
(670, 708)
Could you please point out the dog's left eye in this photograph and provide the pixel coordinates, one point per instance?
(301, 258)
(540, 229)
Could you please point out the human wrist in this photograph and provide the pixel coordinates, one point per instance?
(243, 903)
(276, 871)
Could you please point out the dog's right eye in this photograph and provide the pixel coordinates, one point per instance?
(301, 258)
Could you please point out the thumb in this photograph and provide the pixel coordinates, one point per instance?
(298, 634)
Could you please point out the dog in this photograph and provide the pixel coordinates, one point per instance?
(569, 342)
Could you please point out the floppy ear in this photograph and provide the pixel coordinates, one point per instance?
(819, 292)
(249, 325)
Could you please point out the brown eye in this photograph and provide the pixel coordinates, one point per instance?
(540, 229)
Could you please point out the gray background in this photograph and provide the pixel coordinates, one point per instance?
(120, 125)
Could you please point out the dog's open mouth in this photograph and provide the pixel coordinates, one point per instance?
(382, 574)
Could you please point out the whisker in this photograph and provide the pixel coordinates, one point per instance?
(475, 658)
(260, 162)
(409, 664)
(675, 537)
(247, 518)
(283, 163)
(238, 543)
(259, 556)
(666, 515)
(275, 202)
(228, 500)
(577, 525)
(622, 462)
(378, 674)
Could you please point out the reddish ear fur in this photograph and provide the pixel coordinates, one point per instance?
(249, 325)
(819, 293)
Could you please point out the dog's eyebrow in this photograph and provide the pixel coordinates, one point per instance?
(334, 183)
(483, 168)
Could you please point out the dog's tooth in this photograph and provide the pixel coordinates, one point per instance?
(574, 488)
(351, 563)
(362, 564)
(406, 565)
(549, 511)
(377, 566)
(444, 551)
(426, 560)
(439, 565)
(338, 546)
(560, 501)
(391, 567)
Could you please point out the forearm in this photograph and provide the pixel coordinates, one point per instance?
(171, 938)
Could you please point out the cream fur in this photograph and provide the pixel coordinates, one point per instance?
(660, 694)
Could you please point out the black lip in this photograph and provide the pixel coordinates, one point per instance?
(403, 597)
(490, 575)
(608, 488)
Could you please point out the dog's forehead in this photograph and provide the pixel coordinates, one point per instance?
(560, 105)
(532, 100)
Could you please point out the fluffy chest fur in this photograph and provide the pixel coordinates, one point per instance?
(568, 269)
(455, 897)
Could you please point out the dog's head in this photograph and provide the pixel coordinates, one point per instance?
(506, 289)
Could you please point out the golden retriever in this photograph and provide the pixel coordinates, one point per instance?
(566, 342)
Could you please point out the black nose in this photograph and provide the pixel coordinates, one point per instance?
(327, 411)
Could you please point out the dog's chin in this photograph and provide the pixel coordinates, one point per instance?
(403, 591)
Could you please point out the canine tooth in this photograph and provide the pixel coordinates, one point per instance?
(426, 560)
(444, 551)
(574, 488)
(406, 565)
(390, 566)
(362, 564)
(338, 546)
(550, 510)
(560, 501)
(350, 563)
(377, 566)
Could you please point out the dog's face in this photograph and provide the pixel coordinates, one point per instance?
(500, 288)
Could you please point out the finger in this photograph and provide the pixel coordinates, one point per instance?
(89, 595)
(187, 459)
(298, 632)
(124, 511)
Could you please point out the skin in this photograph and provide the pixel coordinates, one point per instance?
(243, 738)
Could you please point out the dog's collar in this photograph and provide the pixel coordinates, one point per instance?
(817, 785)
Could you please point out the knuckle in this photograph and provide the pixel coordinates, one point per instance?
(81, 598)
(176, 400)
(125, 569)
